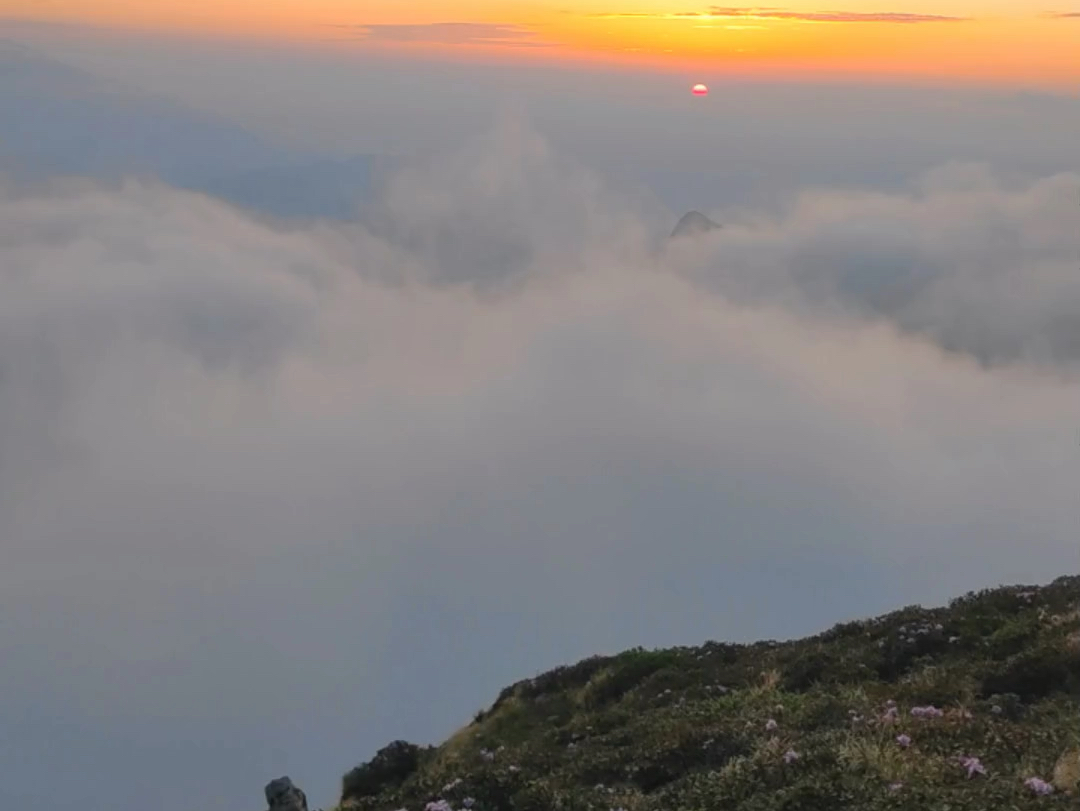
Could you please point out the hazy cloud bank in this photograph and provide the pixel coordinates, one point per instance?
(256, 478)
(977, 265)
(448, 33)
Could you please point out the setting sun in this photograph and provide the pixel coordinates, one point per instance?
(365, 364)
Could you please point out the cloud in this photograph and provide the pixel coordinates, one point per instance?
(832, 16)
(347, 477)
(1062, 15)
(739, 12)
(963, 260)
(450, 33)
(652, 15)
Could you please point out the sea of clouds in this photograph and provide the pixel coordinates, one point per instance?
(231, 448)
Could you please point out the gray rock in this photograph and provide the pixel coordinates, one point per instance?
(282, 795)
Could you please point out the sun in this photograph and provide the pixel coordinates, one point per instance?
(700, 90)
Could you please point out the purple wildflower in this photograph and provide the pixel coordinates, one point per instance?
(895, 786)
(929, 711)
(771, 725)
(438, 805)
(790, 756)
(973, 766)
(468, 802)
(1039, 786)
(904, 740)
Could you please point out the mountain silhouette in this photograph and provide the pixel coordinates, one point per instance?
(693, 223)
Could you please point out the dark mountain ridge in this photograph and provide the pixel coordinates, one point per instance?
(59, 121)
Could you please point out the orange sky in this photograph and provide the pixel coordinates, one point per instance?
(995, 40)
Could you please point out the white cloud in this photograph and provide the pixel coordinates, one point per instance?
(228, 450)
(978, 266)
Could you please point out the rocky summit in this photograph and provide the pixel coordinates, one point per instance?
(693, 223)
(972, 706)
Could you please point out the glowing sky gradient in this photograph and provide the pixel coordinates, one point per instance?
(991, 40)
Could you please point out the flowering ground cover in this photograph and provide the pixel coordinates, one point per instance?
(969, 707)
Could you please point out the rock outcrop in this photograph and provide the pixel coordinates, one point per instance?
(282, 795)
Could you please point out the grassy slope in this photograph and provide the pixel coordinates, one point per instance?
(686, 728)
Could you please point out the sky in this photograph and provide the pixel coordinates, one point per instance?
(345, 380)
(978, 40)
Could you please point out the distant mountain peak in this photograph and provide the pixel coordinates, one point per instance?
(693, 223)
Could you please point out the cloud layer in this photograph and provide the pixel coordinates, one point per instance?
(449, 33)
(350, 480)
(903, 17)
(772, 13)
(972, 264)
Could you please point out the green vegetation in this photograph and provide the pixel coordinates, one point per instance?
(969, 707)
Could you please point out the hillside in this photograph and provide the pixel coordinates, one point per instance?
(955, 708)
